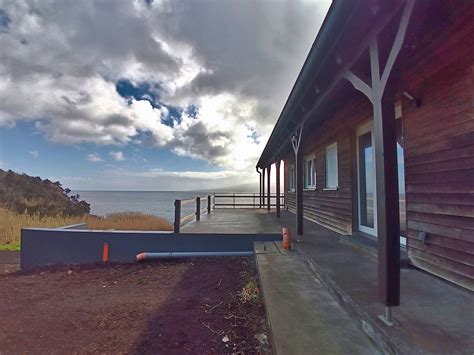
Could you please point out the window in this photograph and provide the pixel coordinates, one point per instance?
(291, 178)
(331, 167)
(309, 172)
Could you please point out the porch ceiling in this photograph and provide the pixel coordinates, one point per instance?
(340, 44)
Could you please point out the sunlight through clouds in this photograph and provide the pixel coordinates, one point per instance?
(62, 62)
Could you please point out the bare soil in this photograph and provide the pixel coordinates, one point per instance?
(167, 307)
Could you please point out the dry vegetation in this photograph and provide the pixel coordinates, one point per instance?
(11, 223)
(129, 221)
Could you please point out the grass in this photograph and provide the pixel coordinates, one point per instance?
(250, 292)
(11, 224)
(129, 221)
(10, 246)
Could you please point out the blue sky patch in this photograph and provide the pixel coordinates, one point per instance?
(192, 111)
(174, 115)
(255, 136)
(150, 92)
(37, 156)
(4, 21)
(142, 91)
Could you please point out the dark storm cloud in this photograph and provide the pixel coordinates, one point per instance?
(254, 48)
(199, 141)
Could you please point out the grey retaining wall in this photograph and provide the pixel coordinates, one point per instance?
(42, 247)
(74, 226)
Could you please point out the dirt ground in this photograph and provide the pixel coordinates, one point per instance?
(177, 306)
(9, 261)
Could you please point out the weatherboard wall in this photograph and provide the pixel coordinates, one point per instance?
(332, 208)
(439, 154)
(439, 151)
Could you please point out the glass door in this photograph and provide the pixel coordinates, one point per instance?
(366, 180)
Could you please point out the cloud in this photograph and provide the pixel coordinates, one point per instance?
(62, 64)
(117, 156)
(34, 153)
(153, 179)
(94, 157)
(170, 180)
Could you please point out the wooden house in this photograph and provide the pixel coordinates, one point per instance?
(377, 135)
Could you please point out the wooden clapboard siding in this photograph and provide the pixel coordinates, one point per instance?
(439, 153)
(332, 209)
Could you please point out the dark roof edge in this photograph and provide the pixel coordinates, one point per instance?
(338, 13)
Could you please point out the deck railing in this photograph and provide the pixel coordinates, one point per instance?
(201, 203)
(220, 200)
(245, 200)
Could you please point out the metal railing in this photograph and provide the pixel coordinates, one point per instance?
(180, 220)
(246, 200)
(220, 200)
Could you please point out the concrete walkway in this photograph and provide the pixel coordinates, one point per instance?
(304, 318)
(435, 317)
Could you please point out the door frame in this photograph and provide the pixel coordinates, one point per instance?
(362, 129)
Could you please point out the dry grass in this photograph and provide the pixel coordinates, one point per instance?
(129, 221)
(11, 224)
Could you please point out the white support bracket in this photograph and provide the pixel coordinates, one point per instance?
(379, 82)
(296, 138)
(398, 42)
(359, 84)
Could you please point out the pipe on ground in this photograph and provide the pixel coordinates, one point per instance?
(193, 254)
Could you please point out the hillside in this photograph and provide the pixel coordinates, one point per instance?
(23, 193)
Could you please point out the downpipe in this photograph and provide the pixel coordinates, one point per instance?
(180, 254)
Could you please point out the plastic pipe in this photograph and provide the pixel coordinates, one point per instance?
(192, 254)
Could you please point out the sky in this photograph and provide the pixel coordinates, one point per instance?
(147, 95)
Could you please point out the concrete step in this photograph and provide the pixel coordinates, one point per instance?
(303, 316)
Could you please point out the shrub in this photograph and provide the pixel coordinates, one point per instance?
(32, 195)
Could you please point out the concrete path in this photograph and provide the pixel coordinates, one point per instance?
(303, 316)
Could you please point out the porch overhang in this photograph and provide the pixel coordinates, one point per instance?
(340, 46)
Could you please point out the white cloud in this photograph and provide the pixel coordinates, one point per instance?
(94, 157)
(119, 178)
(117, 156)
(34, 153)
(61, 60)
(160, 179)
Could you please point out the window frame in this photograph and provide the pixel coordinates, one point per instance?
(336, 185)
(291, 178)
(310, 157)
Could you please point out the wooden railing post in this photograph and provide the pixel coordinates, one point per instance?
(198, 208)
(208, 204)
(269, 202)
(277, 187)
(177, 215)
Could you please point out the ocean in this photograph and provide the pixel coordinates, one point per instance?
(158, 203)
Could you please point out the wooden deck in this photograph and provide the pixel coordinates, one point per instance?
(229, 220)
